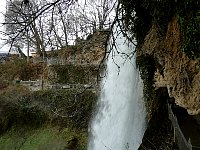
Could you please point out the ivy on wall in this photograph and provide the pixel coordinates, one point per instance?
(147, 68)
(189, 19)
(74, 74)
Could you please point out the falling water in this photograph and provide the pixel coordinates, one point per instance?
(120, 122)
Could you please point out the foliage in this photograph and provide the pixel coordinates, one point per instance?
(189, 19)
(74, 74)
(10, 69)
(139, 15)
(19, 68)
(136, 17)
(3, 84)
(162, 12)
(31, 71)
(147, 69)
(47, 137)
(9, 110)
(57, 107)
(73, 109)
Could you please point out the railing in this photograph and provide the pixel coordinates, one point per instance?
(32, 85)
(37, 85)
(178, 134)
(71, 86)
(39, 60)
(59, 61)
(29, 82)
(55, 61)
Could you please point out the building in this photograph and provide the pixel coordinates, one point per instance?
(4, 57)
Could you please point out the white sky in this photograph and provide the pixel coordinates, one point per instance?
(5, 48)
(2, 10)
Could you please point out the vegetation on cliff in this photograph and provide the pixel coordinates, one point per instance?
(19, 69)
(74, 74)
(142, 17)
(189, 20)
(167, 34)
(44, 119)
(52, 116)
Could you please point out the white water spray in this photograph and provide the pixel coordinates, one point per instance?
(120, 122)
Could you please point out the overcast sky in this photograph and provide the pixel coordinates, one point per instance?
(2, 10)
(5, 48)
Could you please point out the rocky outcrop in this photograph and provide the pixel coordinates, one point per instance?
(178, 73)
(90, 51)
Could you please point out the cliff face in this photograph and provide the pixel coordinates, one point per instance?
(176, 71)
(168, 50)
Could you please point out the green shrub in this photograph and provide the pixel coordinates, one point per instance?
(57, 107)
(74, 74)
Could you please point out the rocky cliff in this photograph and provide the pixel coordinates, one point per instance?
(167, 32)
(180, 74)
(168, 52)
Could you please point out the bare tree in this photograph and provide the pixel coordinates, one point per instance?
(21, 17)
(97, 13)
(44, 24)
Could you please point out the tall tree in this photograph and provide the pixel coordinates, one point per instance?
(43, 24)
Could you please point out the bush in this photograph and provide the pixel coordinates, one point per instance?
(56, 107)
(20, 69)
(74, 74)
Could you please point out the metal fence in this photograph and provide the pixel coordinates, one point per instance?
(178, 134)
(39, 60)
(59, 61)
(37, 85)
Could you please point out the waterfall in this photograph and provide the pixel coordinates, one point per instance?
(120, 122)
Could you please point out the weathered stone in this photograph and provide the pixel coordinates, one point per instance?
(181, 75)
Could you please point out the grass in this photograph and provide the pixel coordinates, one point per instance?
(44, 138)
(28, 123)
